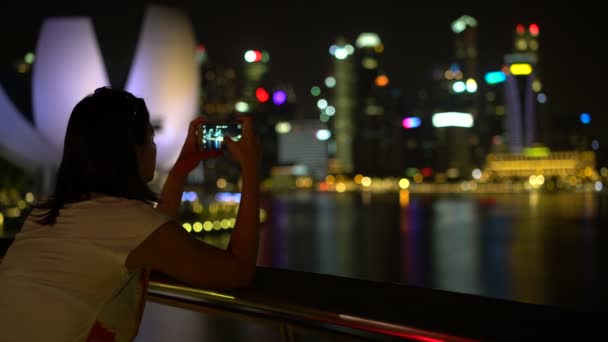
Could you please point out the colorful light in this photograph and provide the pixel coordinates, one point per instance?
(382, 81)
(471, 85)
(252, 56)
(279, 97)
(315, 91)
(459, 87)
(453, 119)
(534, 30)
(495, 77)
(521, 69)
(520, 29)
(585, 118)
(411, 122)
(262, 95)
(323, 134)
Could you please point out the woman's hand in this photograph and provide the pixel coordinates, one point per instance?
(190, 155)
(246, 151)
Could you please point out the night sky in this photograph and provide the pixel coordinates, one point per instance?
(298, 36)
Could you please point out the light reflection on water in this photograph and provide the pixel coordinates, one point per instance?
(531, 247)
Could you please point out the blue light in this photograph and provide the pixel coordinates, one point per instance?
(227, 197)
(595, 145)
(495, 77)
(585, 118)
(279, 97)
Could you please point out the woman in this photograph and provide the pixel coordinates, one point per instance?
(77, 270)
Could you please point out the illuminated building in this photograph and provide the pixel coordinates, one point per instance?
(344, 102)
(304, 142)
(219, 93)
(569, 167)
(69, 65)
(523, 91)
(254, 70)
(457, 92)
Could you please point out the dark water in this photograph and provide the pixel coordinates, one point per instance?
(532, 247)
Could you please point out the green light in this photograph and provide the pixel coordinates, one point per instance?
(29, 58)
(315, 91)
(536, 152)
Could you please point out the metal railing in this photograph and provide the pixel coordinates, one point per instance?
(355, 309)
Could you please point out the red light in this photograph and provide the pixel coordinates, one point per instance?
(426, 172)
(200, 47)
(534, 30)
(262, 95)
(258, 57)
(520, 29)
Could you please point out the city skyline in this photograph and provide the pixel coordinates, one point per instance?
(415, 41)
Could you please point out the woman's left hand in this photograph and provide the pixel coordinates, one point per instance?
(191, 155)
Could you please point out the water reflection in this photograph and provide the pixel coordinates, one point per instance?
(532, 247)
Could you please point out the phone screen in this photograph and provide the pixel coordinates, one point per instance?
(212, 134)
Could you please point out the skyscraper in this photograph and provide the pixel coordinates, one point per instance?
(344, 103)
(520, 89)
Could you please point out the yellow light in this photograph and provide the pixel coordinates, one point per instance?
(13, 212)
(221, 183)
(217, 225)
(366, 181)
(21, 204)
(263, 215)
(418, 178)
(604, 172)
(404, 183)
(29, 197)
(358, 178)
(537, 86)
(187, 227)
(536, 152)
(532, 180)
(382, 81)
(197, 227)
(330, 179)
(1, 219)
(197, 207)
(540, 180)
(404, 198)
(225, 224)
(213, 208)
(379, 48)
(521, 69)
(588, 172)
(340, 187)
(208, 226)
(232, 222)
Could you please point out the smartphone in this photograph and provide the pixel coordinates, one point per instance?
(211, 134)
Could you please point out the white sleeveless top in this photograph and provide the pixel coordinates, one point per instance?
(58, 282)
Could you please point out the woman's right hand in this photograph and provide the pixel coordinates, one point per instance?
(246, 151)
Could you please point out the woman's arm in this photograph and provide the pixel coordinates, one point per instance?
(171, 250)
(189, 157)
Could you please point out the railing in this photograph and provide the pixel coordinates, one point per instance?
(374, 310)
(354, 309)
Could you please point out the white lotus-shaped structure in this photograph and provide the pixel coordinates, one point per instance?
(69, 66)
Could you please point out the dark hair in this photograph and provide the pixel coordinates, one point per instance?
(99, 151)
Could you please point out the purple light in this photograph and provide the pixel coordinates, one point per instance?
(412, 122)
(279, 97)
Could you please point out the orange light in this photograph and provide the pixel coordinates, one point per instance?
(382, 81)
